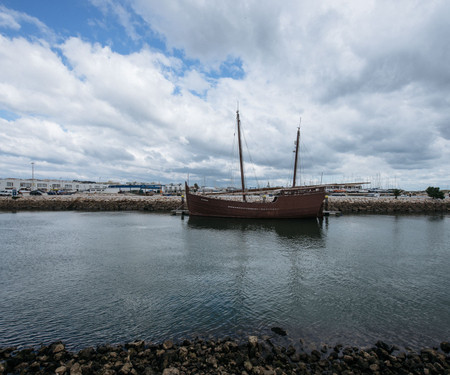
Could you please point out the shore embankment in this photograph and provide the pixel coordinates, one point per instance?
(91, 202)
(131, 202)
(388, 205)
(256, 356)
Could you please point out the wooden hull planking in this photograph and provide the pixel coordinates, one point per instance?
(290, 205)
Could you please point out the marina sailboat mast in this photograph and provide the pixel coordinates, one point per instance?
(240, 155)
(297, 142)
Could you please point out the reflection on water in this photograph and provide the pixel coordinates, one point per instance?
(292, 229)
(290, 235)
(436, 217)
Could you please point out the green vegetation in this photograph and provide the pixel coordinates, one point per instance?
(435, 192)
(397, 192)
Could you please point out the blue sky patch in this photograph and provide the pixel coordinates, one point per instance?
(8, 115)
(231, 68)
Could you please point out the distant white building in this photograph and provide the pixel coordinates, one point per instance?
(48, 185)
(348, 187)
(173, 188)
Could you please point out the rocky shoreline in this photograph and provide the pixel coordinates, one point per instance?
(227, 356)
(382, 205)
(91, 202)
(123, 202)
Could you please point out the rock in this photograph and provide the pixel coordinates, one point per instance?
(253, 341)
(382, 345)
(315, 355)
(279, 331)
(43, 358)
(126, 368)
(75, 369)
(103, 349)
(183, 352)
(86, 368)
(445, 347)
(333, 355)
(323, 363)
(429, 355)
(439, 368)
(60, 370)
(248, 366)
(211, 360)
(59, 356)
(58, 348)
(171, 371)
(20, 368)
(34, 367)
(290, 350)
(135, 344)
(86, 353)
(374, 367)
(348, 359)
(302, 366)
(168, 344)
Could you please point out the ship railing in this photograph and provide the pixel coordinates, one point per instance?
(303, 190)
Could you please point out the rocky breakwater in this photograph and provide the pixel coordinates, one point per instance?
(388, 205)
(91, 202)
(256, 356)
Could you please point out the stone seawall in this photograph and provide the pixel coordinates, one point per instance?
(94, 202)
(388, 205)
(121, 202)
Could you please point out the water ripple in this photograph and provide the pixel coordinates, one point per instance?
(112, 277)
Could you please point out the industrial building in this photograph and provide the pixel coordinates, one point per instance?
(18, 184)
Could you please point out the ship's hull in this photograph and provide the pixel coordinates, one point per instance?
(289, 206)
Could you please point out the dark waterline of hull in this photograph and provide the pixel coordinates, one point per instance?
(92, 278)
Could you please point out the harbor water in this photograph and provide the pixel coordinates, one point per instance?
(89, 278)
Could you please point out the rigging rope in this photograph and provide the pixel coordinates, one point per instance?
(251, 160)
(307, 153)
(233, 153)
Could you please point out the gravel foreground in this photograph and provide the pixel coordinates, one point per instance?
(256, 356)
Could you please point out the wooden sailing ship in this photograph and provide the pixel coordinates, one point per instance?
(283, 203)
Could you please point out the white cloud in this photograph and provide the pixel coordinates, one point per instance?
(370, 80)
(195, 81)
(7, 20)
(12, 19)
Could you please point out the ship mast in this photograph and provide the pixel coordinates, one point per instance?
(240, 155)
(296, 154)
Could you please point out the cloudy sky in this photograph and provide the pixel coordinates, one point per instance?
(147, 90)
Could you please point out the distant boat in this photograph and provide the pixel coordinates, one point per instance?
(284, 203)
